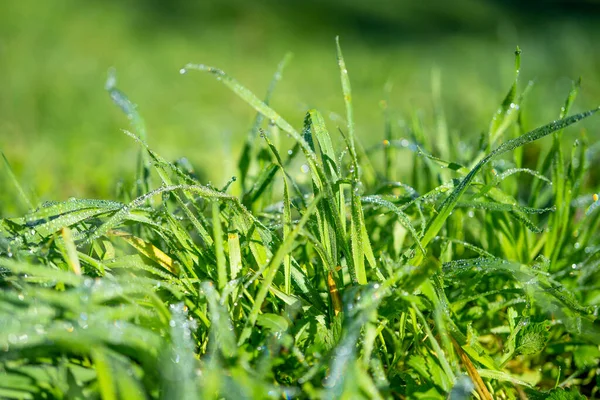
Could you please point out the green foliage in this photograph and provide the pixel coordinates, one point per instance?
(340, 281)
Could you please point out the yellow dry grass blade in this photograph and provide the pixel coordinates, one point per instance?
(71, 251)
(148, 250)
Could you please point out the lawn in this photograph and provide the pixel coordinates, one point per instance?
(415, 217)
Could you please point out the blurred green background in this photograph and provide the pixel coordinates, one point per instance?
(62, 134)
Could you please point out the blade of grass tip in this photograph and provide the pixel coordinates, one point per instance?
(389, 153)
(287, 219)
(359, 239)
(273, 267)
(159, 162)
(347, 91)
(548, 161)
(255, 103)
(450, 202)
(508, 111)
(125, 210)
(443, 144)
(15, 182)
(246, 156)
(130, 110)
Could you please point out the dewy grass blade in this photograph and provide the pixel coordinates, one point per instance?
(245, 158)
(359, 238)
(130, 110)
(287, 219)
(255, 102)
(16, 183)
(273, 267)
(122, 213)
(347, 91)
(450, 202)
(148, 250)
(402, 217)
(509, 110)
(159, 164)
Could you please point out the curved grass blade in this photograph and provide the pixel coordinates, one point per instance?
(318, 174)
(255, 102)
(402, 217)
(130, 110)
(126, 210)
(450, 202)
(16, 183)
(245, 158)
(160, 166)
(287, 219)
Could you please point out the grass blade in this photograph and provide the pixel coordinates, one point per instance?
(450, 202)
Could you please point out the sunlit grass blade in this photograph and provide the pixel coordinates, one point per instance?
(247, 156)
(130, 110)
(450, 202)
(273, 267)
(16, 183)
(71, 256)
(287, 219)
(509, 110)
(149, 250)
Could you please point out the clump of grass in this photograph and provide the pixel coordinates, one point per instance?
(469, 275)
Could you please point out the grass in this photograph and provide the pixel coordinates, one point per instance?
(322, 272)
(54, 115)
